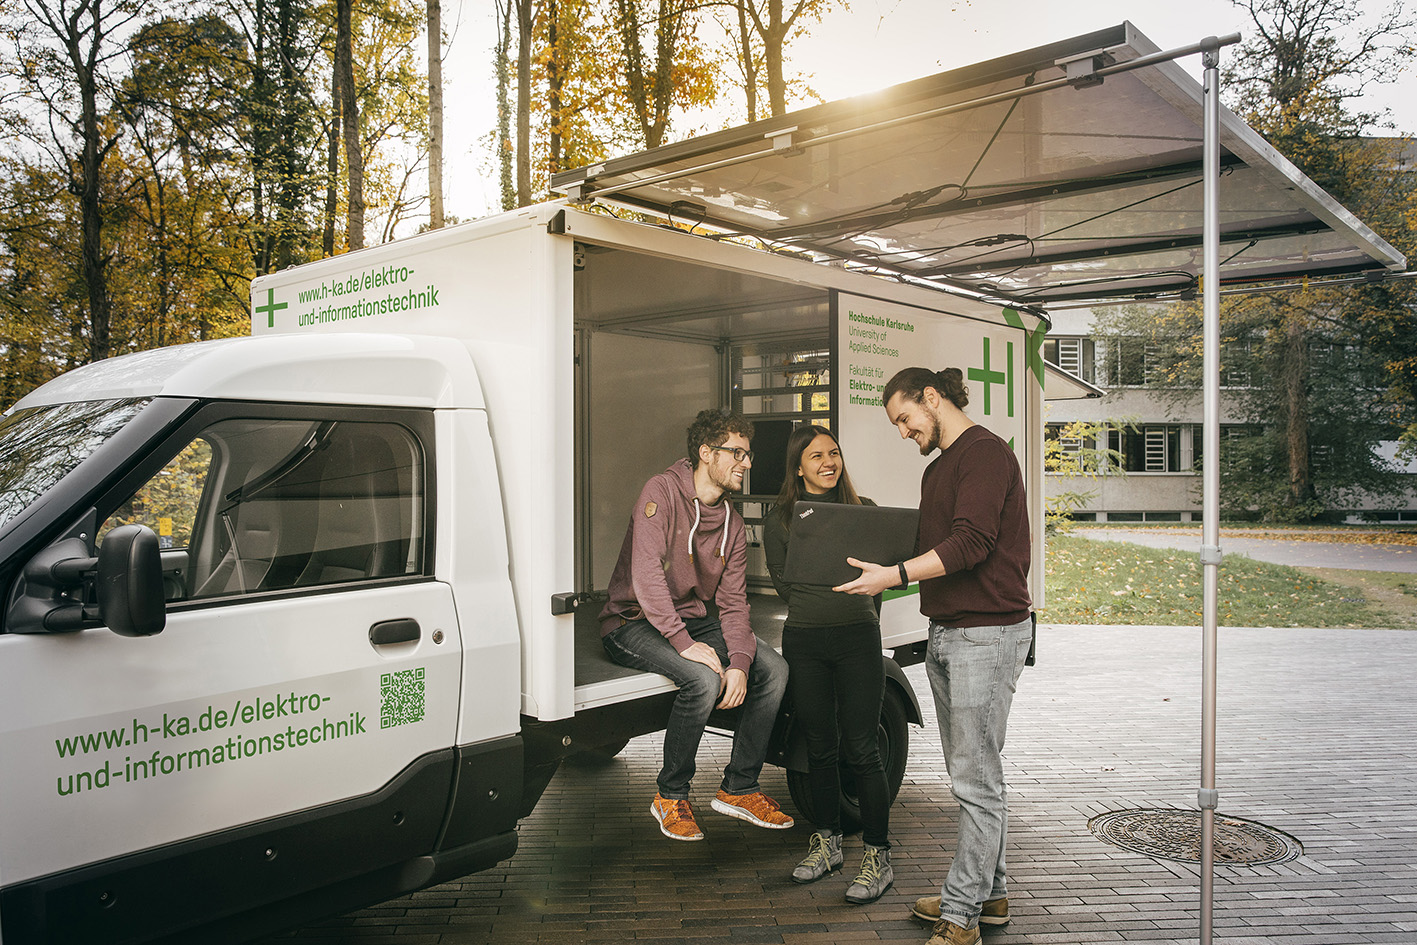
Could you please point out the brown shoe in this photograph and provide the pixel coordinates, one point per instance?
(676, 819)
(947, 933)
(994, 911)
(757, 809)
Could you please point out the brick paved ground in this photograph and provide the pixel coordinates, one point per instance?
(1316, 739)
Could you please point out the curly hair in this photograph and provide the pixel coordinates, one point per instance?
(711, 427)
(911, 383)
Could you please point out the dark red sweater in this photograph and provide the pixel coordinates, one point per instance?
(973, 513)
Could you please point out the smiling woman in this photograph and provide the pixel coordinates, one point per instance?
(832, 643)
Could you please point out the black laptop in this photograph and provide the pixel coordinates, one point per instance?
(824, 534)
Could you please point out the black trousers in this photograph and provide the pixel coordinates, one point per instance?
(836, 681)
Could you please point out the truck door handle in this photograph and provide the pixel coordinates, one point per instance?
(384, 632)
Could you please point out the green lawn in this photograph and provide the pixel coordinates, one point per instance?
(1120, 583)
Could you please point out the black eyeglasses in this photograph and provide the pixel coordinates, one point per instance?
(739, 454)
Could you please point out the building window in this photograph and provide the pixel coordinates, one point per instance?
(1162, 447)
(1128, 361)
(1237, 363)
(1074, 355)
(1062, 451)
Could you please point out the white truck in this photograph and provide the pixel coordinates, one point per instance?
(303, 621)
(306, 620)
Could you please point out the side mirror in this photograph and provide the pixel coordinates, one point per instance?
(60, 586)
(129, 582)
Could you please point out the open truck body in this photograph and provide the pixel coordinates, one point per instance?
(374, 536)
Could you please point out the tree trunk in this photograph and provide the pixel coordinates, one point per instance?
(629, 24)
(774, 29)
(750, 70)
(525, 20)
(773, 37)
(650, 88)
(260, 142)
(83, 44)
(290, 164)
(504, 110)
(349, 109)
(554, 80)
(666, 33)
(327, 238)
(95, 263)
(1296, 401)
(435, 114)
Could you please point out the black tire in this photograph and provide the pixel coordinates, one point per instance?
(893, 738)
(598, 754)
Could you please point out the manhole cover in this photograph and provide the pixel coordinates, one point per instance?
(1176, 835)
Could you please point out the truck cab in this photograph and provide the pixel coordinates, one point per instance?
(297, 716)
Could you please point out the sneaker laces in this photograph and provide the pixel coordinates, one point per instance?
(817, 851)
(870, 869)
(681, 809)
(763, 803)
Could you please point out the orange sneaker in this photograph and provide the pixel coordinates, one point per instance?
(757, 809)
(676, 819)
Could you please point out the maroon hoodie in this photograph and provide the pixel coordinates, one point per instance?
(679, 553)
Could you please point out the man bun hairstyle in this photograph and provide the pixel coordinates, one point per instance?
(911, 383)
(712, 427)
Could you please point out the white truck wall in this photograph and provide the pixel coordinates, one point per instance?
(503, 287)
(632, 435)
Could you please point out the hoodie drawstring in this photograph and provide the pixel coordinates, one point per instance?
(723, 541)
(695, 528)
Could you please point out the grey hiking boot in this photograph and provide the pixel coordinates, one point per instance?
(823, 856)
(874, 879)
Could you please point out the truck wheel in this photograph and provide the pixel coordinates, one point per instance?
(601, 754)
(893, 739)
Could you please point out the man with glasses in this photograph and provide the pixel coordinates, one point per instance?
(685, 547)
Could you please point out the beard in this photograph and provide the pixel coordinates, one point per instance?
(932, 442)
(724, 479)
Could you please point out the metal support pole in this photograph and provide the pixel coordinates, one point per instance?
(1208, 797)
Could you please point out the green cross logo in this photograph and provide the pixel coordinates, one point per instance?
(271, 307)
(991, 377)
(1034, 354)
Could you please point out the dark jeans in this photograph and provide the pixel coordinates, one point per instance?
(640, 646)
(838, 682)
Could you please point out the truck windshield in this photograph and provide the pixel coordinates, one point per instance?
(41, 445)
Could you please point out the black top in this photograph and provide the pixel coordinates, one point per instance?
(812, 605)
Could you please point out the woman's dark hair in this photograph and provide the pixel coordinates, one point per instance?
(912, 381)
(793, 489)
(712, 427)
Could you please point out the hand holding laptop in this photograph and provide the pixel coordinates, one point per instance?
(873, 579)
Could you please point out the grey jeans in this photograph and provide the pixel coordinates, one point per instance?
(973, 674)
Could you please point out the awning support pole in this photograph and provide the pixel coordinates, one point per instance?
(1208, 797)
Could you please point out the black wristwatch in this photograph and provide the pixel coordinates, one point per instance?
(904, 578)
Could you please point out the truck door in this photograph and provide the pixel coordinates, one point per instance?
(292, 724)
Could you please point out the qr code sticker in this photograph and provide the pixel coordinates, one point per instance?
(401, 697)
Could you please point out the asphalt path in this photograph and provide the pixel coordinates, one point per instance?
(1303, 554)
